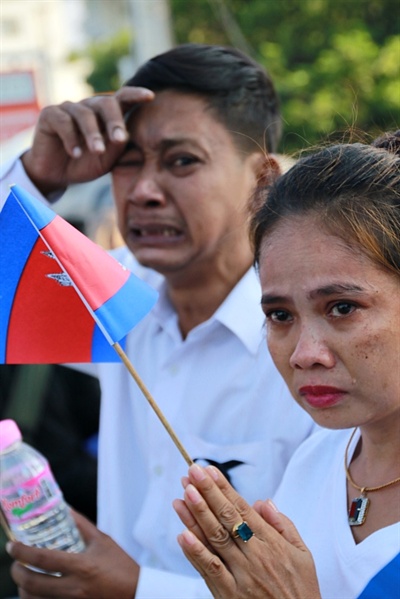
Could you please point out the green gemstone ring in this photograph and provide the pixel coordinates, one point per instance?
(243, 531)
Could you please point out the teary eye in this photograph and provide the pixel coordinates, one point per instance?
(278, 316)
(342, 308)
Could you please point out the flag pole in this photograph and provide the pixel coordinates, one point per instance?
(152, 402)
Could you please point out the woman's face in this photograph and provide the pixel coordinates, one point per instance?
(333, 325)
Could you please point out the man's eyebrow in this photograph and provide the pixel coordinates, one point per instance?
(164, 144)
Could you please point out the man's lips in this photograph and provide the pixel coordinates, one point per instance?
(321, 396)
(155, 230)
(155, 233)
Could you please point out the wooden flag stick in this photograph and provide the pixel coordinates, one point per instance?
(152, 402)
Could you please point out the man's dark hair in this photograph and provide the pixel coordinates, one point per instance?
(237, 89)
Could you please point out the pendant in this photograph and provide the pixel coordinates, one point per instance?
(358, 510)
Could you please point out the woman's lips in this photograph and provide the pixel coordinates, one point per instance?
(321, 396)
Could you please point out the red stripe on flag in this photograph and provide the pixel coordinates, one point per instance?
(49, 322)
(94, 272)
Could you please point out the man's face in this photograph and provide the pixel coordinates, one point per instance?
(182, 187)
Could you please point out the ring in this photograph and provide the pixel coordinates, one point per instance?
(243, 531)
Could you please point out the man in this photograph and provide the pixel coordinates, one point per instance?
(184, 159)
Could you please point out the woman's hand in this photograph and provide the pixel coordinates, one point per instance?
(274, 563)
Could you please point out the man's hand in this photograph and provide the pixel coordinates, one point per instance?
(102, 571)
(77, 142)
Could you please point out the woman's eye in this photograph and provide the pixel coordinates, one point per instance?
(278, 316)
(342, 309)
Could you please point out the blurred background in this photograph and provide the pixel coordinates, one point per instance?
(335, 63)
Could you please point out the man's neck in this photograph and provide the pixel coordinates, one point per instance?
(198, 301)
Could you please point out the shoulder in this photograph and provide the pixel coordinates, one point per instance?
(314, 461)
(321, 448)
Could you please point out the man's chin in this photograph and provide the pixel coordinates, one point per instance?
(160, 265)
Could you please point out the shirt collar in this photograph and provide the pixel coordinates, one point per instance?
(240, 312)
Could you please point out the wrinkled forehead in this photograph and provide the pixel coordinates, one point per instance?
(178, 118)
(169, 109)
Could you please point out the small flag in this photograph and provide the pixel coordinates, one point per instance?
(63, 298)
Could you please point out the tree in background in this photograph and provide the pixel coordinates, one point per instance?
(335, 63)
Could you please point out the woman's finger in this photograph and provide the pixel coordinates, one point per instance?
(218, 578)
(189, 521)
(281, 524)
(228, 507)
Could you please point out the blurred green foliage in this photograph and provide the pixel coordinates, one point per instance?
(335, 63)
(105, 55)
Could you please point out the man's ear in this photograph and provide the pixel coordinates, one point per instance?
(267, 169)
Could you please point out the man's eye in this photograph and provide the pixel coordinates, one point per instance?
(342, 309)
(278, 316)
(129, 159)
(183, 161)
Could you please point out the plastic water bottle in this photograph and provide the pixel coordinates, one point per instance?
(31, 500)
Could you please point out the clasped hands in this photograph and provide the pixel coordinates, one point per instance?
(274, 563)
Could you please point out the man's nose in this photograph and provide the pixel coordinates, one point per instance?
(311, 349)
(146, 189)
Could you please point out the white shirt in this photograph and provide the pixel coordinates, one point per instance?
(313, 494)
(225, 400)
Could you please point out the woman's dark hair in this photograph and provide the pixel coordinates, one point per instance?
(237, 89)
(352, 189)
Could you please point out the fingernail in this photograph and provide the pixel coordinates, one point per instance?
(76, 152)
(98, 145)
(213, 471)
(9, 547)
(189, 537)
(197, 472)
(192, 494)
(145, 93)
(184, 481)
(119, 134)
(272, 504)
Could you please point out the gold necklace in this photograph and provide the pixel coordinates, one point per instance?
(359, 505)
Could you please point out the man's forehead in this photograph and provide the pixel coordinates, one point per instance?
(174, 118)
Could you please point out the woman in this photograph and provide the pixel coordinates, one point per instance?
(326, 241)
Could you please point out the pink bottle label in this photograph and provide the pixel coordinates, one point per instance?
(30, 499)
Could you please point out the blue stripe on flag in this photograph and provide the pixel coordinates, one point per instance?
(12, 261)
(114, 316)
(37, 212)
(102, 351)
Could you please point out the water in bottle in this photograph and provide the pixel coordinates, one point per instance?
(31, 500)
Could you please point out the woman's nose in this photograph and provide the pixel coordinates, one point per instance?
(311, 349)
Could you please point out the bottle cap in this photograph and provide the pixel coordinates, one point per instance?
(9, 433)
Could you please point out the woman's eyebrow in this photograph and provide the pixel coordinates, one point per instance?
(335, 288)
(326, 290)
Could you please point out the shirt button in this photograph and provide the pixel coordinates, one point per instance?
(174, 369)
(158, 470)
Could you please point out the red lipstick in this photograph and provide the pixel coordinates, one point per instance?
(321, 396)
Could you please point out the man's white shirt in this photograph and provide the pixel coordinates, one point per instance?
(225, 400)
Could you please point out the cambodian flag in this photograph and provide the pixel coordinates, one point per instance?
(62, 297)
